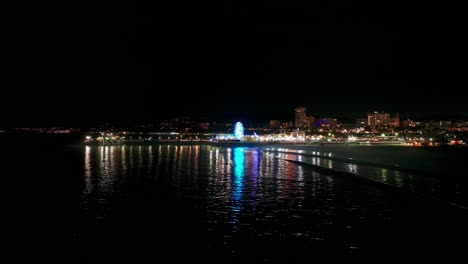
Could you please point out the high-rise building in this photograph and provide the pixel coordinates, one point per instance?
(300, 117)
(378, 120)
(382, 120)
(395, 121)
(310, 121)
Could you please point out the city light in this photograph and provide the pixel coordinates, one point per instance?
(377, 128)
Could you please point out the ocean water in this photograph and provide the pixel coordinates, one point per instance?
(65, 200)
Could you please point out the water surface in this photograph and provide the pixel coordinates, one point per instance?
(177, 202)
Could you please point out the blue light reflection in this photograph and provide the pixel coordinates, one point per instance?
(239, 173)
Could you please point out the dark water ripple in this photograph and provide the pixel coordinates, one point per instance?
(62, 200)
(445, 188)
(245, 203)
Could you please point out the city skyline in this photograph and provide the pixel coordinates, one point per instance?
(298, 119)
(252, 118)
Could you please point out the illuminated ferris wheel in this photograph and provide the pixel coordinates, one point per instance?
(239, 130)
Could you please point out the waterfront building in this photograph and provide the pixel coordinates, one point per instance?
(382, 120)
(300, 117)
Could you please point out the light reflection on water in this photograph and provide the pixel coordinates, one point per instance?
(420, 184)
(239, 181)
(234, 193)
(87, 165)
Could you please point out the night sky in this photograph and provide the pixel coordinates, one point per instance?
(224, 60)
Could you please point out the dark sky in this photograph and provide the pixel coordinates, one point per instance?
(225, 60)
